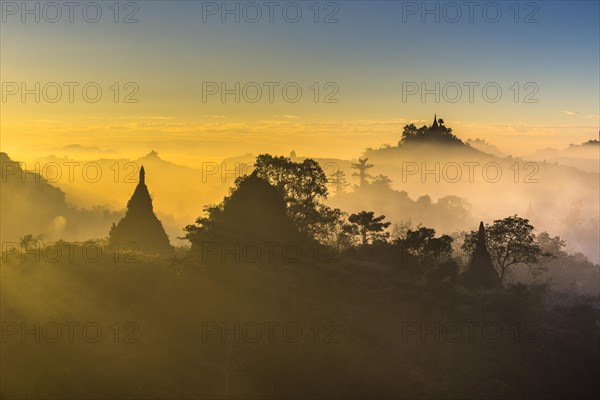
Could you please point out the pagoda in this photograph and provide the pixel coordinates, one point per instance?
(140, 227)
(481, 272)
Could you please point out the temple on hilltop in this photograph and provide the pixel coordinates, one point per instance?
(437, 133)
(140, 227)
(481, 272)
(438, 124)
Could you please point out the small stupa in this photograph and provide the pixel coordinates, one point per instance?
(481, 272)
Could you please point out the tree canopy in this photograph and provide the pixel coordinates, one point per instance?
(510, 242)
(368, 227)
(438, 134)
(303, 186)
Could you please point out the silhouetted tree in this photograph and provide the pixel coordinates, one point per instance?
(338, 180)
(368, 227)
(568, 271)
(437, 132)
(423, 244)
(382, 181)
(28, 241)
(510, 241)
(338, 235)
(303, 186)
(409, 132)
(254, 213)
(551, 246)
(400, 230)
(362, 168)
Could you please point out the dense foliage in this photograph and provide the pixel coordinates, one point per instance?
(358, 311)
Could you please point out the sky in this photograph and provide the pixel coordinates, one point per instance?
(354, 74)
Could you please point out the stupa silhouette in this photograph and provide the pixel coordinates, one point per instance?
(140, 225)
(481, 271)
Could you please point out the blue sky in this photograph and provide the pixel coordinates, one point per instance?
(368, 54)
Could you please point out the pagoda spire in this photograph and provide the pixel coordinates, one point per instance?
(481, 242)
(140, 225)
(481, 271)
(435, 124)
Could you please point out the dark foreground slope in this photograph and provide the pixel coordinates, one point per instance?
(341, 329)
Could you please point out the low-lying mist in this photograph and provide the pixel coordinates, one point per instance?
(450, 188)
